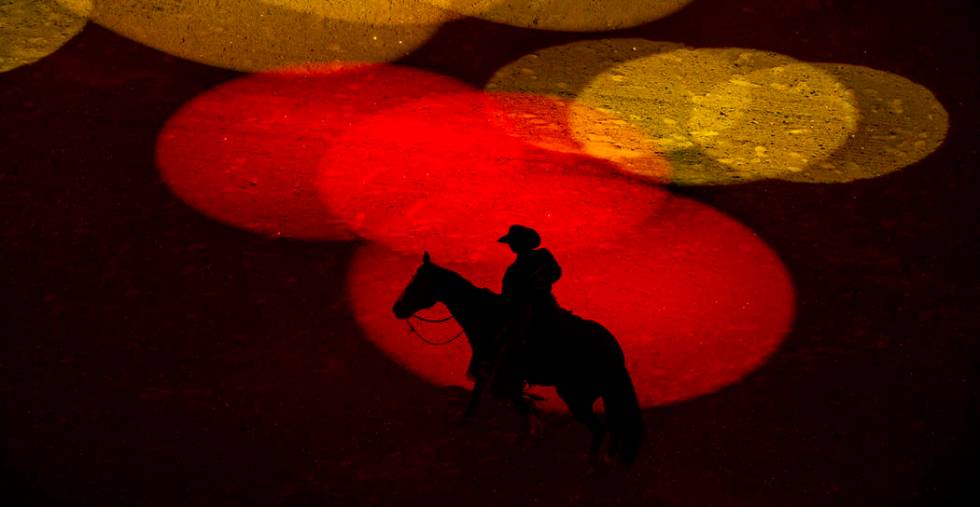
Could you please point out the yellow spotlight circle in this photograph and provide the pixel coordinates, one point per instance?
(658, 94)
(80, 7)
(542, 121)
(563, 71)
(251, 35)
(33, 29)
(391, 12)
(901, 123)
(726, 115)
(566, 15)
(773, 122)
(732, 115)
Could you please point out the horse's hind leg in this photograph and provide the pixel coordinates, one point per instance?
(580, 404)
(473, 402)
(615, 439)
(526, 409)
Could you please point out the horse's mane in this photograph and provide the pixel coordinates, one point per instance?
(459, 281)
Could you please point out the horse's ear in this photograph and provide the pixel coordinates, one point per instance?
(425, 258)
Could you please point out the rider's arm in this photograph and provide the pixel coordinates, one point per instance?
(548, 267)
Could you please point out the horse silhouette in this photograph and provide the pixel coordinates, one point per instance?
(581, 358)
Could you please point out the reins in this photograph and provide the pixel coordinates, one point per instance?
(434, 321)
(422, 337)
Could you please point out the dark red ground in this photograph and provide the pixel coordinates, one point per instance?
(153, 356)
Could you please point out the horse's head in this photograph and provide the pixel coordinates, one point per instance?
(421, 292)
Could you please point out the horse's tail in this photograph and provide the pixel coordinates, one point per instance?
(623, 414)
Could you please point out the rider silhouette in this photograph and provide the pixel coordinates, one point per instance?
(527, 289)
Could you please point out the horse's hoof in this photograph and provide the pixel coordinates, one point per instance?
(535, 428)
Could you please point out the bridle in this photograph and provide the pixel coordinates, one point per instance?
(422, 337)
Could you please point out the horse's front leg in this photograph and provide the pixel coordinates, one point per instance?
(474, 401)
(477, 371)
(530, 414)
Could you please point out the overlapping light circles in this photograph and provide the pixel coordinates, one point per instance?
(696, 300)
(733, 115)
(33, 29)
(543, 121)
(442, 173)
(252, 35)
(768, 122)
(247, 152)
(565, 70)
(718, 115)
(901, 123)
(414, 161)
(566, 15)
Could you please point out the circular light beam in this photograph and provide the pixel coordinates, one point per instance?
(566, 15)
(443, 173)
(33, 29)
(901, 123)
(247, 152)
(716, 115)
(543, 121)
(391, 12)
(251, 35)
(565, 70)
(772, 122)
(696, 300)
(727, 115)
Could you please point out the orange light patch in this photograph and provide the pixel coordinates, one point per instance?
(543, 121)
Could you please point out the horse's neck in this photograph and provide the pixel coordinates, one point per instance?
(463, 300)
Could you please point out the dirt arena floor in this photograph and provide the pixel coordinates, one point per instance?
(156, 356)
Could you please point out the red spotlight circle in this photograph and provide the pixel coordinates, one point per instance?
(696, 300)
(443, 173)
(246, 153)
